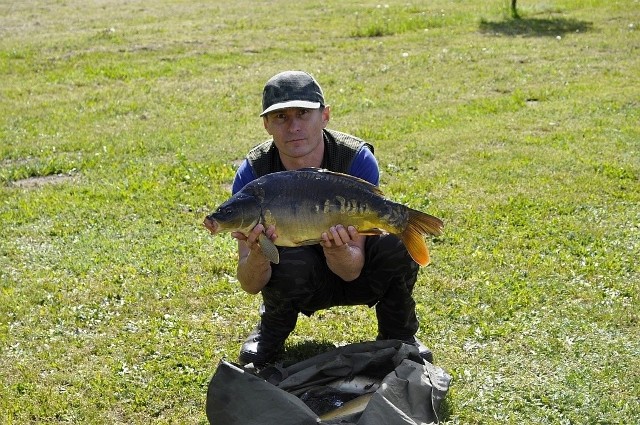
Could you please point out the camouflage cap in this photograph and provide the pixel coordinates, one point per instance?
(291, 89)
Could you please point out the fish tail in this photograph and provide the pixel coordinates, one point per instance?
(418, 226)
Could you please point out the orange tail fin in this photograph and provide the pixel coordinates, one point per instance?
(418, 226)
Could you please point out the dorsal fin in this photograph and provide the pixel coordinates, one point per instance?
(356, 180)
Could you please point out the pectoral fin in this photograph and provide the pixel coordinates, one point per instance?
(269, 249)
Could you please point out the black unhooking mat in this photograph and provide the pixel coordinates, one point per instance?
(410, 392)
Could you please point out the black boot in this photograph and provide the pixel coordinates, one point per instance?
(267, 339)
(401, 324)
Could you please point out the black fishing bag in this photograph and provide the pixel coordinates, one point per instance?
(410, 390)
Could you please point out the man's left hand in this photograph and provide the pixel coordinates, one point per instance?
(338, 236)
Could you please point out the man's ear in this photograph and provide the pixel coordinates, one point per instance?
(265, 122)
(326, 115)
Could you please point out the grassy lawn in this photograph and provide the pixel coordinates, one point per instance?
(121, 122)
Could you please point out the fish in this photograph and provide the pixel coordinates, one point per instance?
(358, 384)
(357, 405)
(324, 399)
(341, 397)
(304, 203)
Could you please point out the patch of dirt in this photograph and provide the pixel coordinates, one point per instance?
(33, 182)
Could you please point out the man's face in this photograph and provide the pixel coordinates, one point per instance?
(297, 131)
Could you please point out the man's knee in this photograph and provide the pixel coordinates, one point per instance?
(388, 249)
(387, 256)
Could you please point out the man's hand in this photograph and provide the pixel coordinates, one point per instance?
(338, 237)
(251, 240)
(254, 269)
(344, 251)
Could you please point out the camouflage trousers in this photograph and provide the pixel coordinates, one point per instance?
(302, 282)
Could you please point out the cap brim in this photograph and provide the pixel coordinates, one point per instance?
(291, 104)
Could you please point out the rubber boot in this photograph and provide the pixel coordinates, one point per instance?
(266, 341)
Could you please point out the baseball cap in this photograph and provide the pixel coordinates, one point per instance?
(291, 89)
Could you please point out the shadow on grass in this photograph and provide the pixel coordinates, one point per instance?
(445, 410)
(534, 27)
(304, 350)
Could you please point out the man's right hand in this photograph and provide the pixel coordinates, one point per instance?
(251, 239)
(254, 269)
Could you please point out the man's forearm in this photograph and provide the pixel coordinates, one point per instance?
(345, 261)
(253, 272)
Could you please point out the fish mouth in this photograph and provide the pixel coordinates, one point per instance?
(211, 224)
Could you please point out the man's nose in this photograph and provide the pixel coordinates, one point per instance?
(295, 124)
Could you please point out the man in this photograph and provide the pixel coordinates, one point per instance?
(345, 268)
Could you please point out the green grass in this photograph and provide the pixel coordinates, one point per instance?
(121, 122)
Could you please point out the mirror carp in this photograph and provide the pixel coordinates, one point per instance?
(302, 204)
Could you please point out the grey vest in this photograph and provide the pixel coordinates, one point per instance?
(339, 151)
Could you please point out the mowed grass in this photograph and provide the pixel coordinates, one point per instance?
(121, 123)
